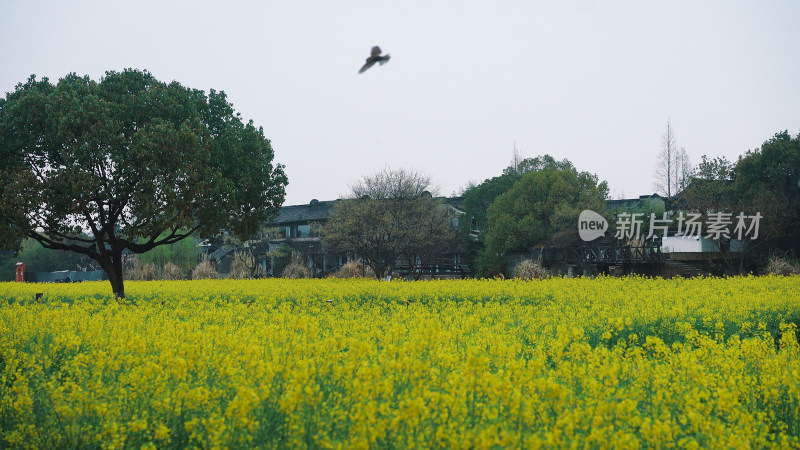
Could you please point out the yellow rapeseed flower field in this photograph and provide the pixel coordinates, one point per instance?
(607, 362)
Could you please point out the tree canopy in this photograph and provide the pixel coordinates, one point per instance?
(767, 180)
(131, 161)
(714, 169)
(539, 204)
(478, 198)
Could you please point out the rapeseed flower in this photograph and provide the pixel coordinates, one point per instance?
(626, 362)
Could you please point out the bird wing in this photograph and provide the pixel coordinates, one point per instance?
(376, 51)
(370, 62)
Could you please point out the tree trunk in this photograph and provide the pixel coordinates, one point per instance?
(742, 256)
(379, 270)
(112, 265)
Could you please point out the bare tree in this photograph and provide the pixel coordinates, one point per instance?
(683, 170)
(389, 215)
(516, 159)
(665, 176)
(393, 184)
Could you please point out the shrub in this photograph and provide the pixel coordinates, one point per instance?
(355, 269)
(172, 271)
(296, 268)
(528, 269)
(131, 267)
(204, 270)
(149, 272)
(781, 266)
(240, 267)
(140, 272)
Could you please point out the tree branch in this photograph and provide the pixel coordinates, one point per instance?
(56, 245)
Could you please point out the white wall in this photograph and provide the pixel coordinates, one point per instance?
(677, 244)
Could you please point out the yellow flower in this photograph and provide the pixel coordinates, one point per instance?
(162, 432)
(474, 363)
(137, 425)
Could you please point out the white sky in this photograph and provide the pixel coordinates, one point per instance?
(594, 82)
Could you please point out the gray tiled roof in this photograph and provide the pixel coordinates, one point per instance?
(314, 211)
(318, 211)
(220, 253)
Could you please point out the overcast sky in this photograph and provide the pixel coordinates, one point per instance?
(593, 82)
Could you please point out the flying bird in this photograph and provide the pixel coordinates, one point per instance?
(375, 57)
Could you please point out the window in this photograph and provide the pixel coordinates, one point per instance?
(303, 231)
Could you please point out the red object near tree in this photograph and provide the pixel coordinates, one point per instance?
(20, 272)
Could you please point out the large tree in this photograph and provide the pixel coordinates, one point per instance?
(131, 161)
(478, 198)
(767, 183)
(768, 178)
(389, 215)
(541, 203)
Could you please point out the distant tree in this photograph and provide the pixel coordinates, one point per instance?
(538, 163)
(279, 257)
(665, 166)
(185, 254)
(715, 169)
(539, 204)
(683, 170)
(478, 198)
(767, 179)
(134, 162)
(252, 253)
(7, 265)
(389, 214)
(711, 188)
(516, 159)
(433, 233)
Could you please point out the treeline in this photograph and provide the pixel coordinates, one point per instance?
(536, 197)
(527, 204)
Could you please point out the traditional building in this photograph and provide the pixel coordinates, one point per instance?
(298, 227)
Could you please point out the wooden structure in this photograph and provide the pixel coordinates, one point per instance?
(567, 254)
